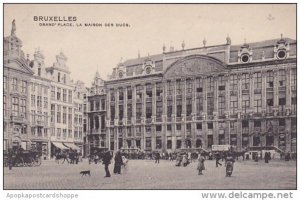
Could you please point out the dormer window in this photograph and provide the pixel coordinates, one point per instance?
(281, 54)
(245, 58)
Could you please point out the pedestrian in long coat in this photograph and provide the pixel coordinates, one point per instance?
(118, 163)
(200, 166)
(106, 162)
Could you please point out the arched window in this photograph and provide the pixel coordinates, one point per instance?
(65, 78)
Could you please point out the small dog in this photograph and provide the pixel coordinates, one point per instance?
(87, 172)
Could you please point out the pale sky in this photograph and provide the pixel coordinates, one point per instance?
(151, 26)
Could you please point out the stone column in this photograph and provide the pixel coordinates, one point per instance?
(264, 91)
(275, 89)
(251, 91)
(183, 115)
(194, 113)
(164, 116)
(288, 89)
(216, 111)
(239, 135)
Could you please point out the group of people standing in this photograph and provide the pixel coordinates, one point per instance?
(119, 162)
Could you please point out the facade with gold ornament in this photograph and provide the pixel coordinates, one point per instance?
(242, 95)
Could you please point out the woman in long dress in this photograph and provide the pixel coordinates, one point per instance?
(200, 166)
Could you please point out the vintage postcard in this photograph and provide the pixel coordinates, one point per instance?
(150, 96)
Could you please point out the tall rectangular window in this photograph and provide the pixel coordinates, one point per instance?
(15, 106)
(45, 102)
(169, 108)
(270, 79)
(233, 82)
(23, 107)
(15, 84)
(257, 103)
(189, 86)
(33, 100)
(159, 108)
(199, 85)
(188, 107)
(52, 92)
(58, 117)
(70, 114)
(159, 89)
(199, 105)
(210, 84)
(169, 88)
(178, 87)
(233, 104)
(281, 78)
(64, 115)
(221, 106)
(58, 97)
(70, 98)
(178, 107)
(139, 92)
(148, 110)
(39, 101)
(129, 111)
(129, 93)
(64, 95)
(52, 113)
(222, 83)
(245, 82)
(138, 110)
(257, 80)
(245, 103)
(23, 87)
(210, 105)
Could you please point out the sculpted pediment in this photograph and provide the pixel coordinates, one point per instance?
(194, 65)
(19, 66)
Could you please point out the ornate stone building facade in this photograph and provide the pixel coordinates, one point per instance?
(39, 94)
(16, 81)
(242, 95)
(43, 108)
(96, 111)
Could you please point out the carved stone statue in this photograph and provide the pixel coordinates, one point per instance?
(13, 28)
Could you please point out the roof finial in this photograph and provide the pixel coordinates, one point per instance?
(139, 55)
(245, 41)
(204, 42)
(13, 27)
(228, 40)
(183, 45)
(281, 35)
(121, 59)
(164, 48)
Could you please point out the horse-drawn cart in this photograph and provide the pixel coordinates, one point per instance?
(28, 158)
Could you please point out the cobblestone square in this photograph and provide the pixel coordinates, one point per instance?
(145, 174)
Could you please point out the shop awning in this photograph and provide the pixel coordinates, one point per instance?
(60, 145)
(71, 146)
